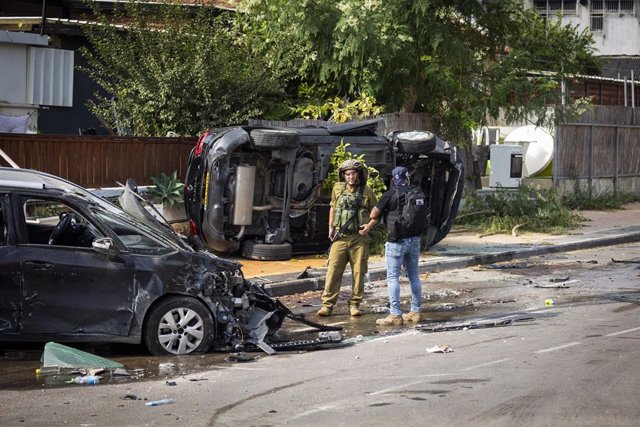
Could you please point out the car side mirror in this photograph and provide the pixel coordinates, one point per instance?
(104, 246)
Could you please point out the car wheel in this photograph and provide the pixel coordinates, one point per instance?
(274, 138)
(179, 325)
(265, 251)
(417, 142)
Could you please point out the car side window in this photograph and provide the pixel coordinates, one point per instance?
(133, 238)
(52, 222)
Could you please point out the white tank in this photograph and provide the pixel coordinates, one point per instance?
(243, 201)
(537, 144)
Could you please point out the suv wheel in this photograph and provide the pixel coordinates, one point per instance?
(274, 138)
(265, 251)
(179, 325)
(417, 142)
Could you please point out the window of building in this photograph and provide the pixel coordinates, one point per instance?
(597, 22)
(553, 7)
(612, 6)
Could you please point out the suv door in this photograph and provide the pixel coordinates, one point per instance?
(9, 277)
(69, 288)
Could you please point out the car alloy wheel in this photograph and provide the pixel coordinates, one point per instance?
(179, 325)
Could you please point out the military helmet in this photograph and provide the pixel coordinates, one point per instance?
(349, 164)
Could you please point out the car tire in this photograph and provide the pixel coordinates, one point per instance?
(265, 251)
(417, 142)
(165, 335)
(274, 138)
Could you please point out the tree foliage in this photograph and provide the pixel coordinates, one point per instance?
(170, 70)
(460, 61)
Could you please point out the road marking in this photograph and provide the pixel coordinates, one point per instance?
(560, 347)
(386, 390)
(312, 411)
(622, 332)
(495, 362)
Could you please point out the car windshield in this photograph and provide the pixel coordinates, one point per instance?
(136, 233)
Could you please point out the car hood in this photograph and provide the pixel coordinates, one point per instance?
(133, 204)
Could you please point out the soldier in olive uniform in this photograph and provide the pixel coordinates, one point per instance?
(349, 226)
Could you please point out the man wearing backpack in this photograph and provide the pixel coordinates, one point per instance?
(406, 215)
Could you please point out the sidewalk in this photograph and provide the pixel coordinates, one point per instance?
(458, 250)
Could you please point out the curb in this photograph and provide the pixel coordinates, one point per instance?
(295, 286)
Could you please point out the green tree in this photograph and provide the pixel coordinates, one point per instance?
(460, 61)
(171, 70)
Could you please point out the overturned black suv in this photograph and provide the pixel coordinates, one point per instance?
(259, 189)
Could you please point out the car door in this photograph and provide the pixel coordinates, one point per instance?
(9, 277)
(68, 288)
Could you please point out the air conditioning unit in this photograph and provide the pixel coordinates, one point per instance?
(506, 166)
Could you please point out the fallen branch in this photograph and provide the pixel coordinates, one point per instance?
(514, 230)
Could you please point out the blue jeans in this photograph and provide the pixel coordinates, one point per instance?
(407, 252)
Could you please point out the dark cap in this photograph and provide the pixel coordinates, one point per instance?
(399, 175)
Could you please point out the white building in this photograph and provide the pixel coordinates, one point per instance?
(615, 25)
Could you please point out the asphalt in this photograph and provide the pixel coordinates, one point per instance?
(462, 249)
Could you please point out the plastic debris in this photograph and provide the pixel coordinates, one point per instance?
(439, 349)
(87, 379)
(60, 356)
(160, 402)
(548, 302)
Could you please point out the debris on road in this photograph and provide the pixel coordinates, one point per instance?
(506, 265)
(160, 402)
(475, 324)
(555, 285)
(549, 302)
(625, 261)
(439, 349)
(240, 358)
(57, 356)
(130, 396)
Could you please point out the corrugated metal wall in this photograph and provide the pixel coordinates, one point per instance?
(50, 77)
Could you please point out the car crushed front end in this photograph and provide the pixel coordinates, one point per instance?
(239, 314)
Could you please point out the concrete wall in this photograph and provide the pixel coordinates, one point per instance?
(602, 186)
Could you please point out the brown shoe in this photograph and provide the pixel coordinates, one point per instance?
(390, 320)
(355, 311)
(412, 316)
(324, 312)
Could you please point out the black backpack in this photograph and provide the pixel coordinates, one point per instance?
(412, 215)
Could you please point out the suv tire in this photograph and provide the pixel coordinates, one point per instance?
(198, 319)
(274, 138)
(265, 251)
(416, 142)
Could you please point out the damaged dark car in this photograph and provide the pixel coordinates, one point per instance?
(258, 190)
(76, 268)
